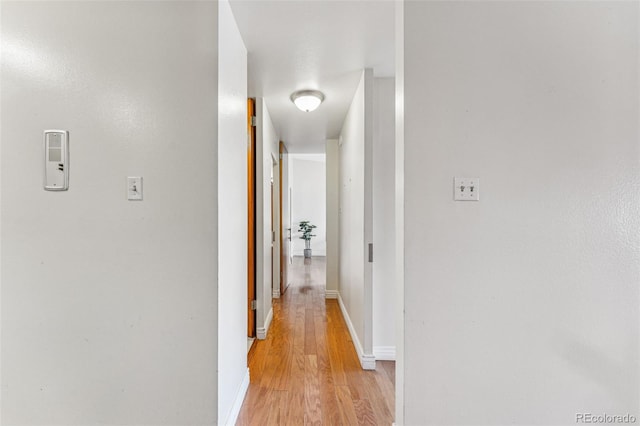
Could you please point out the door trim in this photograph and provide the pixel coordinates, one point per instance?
(251, 217)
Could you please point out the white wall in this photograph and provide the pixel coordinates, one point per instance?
(355, 293)
(383, 218)
(266, 151)
(286, 222)
(109, 307)
(232, 222)
(521, 308)
(333, 218)
(309, 200)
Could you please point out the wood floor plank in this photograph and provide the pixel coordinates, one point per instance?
(330, 413)
(295, 401)
(277, 408)
(386, 387)
(377, 397)
(364, 412)
(256, 398)
(312, 409)
(257, 358)
(329, 404)
(389, 368)
(278, 371)
(322, 352)
(353, 370)
(299, 325)
(309, 333)
(345, 406)
(335, 359)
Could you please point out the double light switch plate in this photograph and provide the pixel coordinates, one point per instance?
(466, 189)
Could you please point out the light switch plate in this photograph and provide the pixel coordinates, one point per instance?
(134, 188)
(466, 189)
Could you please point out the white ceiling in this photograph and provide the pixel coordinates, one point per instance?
(313, 44)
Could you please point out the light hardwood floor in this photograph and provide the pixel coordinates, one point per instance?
(307, 372)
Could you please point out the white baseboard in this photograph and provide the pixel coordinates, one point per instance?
(384, 353)
(261, 332)
(276, 293)
(367, 361)
(331, 294)
(237, 402)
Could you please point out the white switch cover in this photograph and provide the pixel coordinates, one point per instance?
(466, 189)
(134, 188)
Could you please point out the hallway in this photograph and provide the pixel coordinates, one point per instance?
(307, 371)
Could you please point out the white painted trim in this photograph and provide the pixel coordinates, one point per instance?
(239, 399)
(367, 361)
(399, 211)
(276, 293)
(384, 353)
(331, 294)
(261, 332)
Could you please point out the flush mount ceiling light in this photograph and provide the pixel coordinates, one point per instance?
(307, 100)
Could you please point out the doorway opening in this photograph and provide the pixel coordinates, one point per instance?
(308, 209)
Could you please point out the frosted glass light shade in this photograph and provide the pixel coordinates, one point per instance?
(307, 100)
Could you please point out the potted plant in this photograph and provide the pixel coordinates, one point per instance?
(306, 228)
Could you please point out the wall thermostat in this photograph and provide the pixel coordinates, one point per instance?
(56, 160)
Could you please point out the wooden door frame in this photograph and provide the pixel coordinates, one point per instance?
(251, 217)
